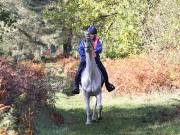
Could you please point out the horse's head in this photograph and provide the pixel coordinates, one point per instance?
(88, 46)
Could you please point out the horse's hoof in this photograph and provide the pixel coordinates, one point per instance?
(100, 118)
(94, 120)
(88, 123)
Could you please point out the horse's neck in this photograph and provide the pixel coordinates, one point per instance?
(91, 77)
(90, 64)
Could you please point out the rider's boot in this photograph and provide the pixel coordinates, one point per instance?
(75, 88)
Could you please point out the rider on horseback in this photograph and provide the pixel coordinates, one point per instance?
(97, 45)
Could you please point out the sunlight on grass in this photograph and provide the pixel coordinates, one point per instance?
(155, 114)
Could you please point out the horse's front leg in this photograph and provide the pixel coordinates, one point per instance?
(94, 117)
(99, 105)
(88, 111)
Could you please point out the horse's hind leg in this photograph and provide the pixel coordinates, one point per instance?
(88, 113)
(99, 106)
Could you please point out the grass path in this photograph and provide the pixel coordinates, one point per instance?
(157, 114)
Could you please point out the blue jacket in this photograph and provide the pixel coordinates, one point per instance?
(81, 50)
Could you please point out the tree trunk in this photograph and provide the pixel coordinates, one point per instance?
(67, 39)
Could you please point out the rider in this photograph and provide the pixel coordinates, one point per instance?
(91, 35)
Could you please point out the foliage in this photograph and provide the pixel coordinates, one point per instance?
(143, 75)
(118, 22)
(24, 34)
(161, 27)
(8, 122)
(7, 20)
(61, 74)
(25, 88)
(126, 27)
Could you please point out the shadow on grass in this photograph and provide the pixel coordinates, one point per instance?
(145, 120)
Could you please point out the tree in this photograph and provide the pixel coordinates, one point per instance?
(118, 22)
(24, 32)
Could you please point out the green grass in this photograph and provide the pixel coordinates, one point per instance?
(156, 114)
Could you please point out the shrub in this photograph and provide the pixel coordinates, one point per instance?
(143, 75)
(24, 86)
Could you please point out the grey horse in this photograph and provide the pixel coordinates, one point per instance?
(91, 81)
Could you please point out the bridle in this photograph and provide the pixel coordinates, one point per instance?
(88, 47)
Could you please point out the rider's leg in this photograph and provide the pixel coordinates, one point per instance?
(109, 86)
(78, 78)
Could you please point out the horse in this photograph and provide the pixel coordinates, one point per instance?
(91, 83)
